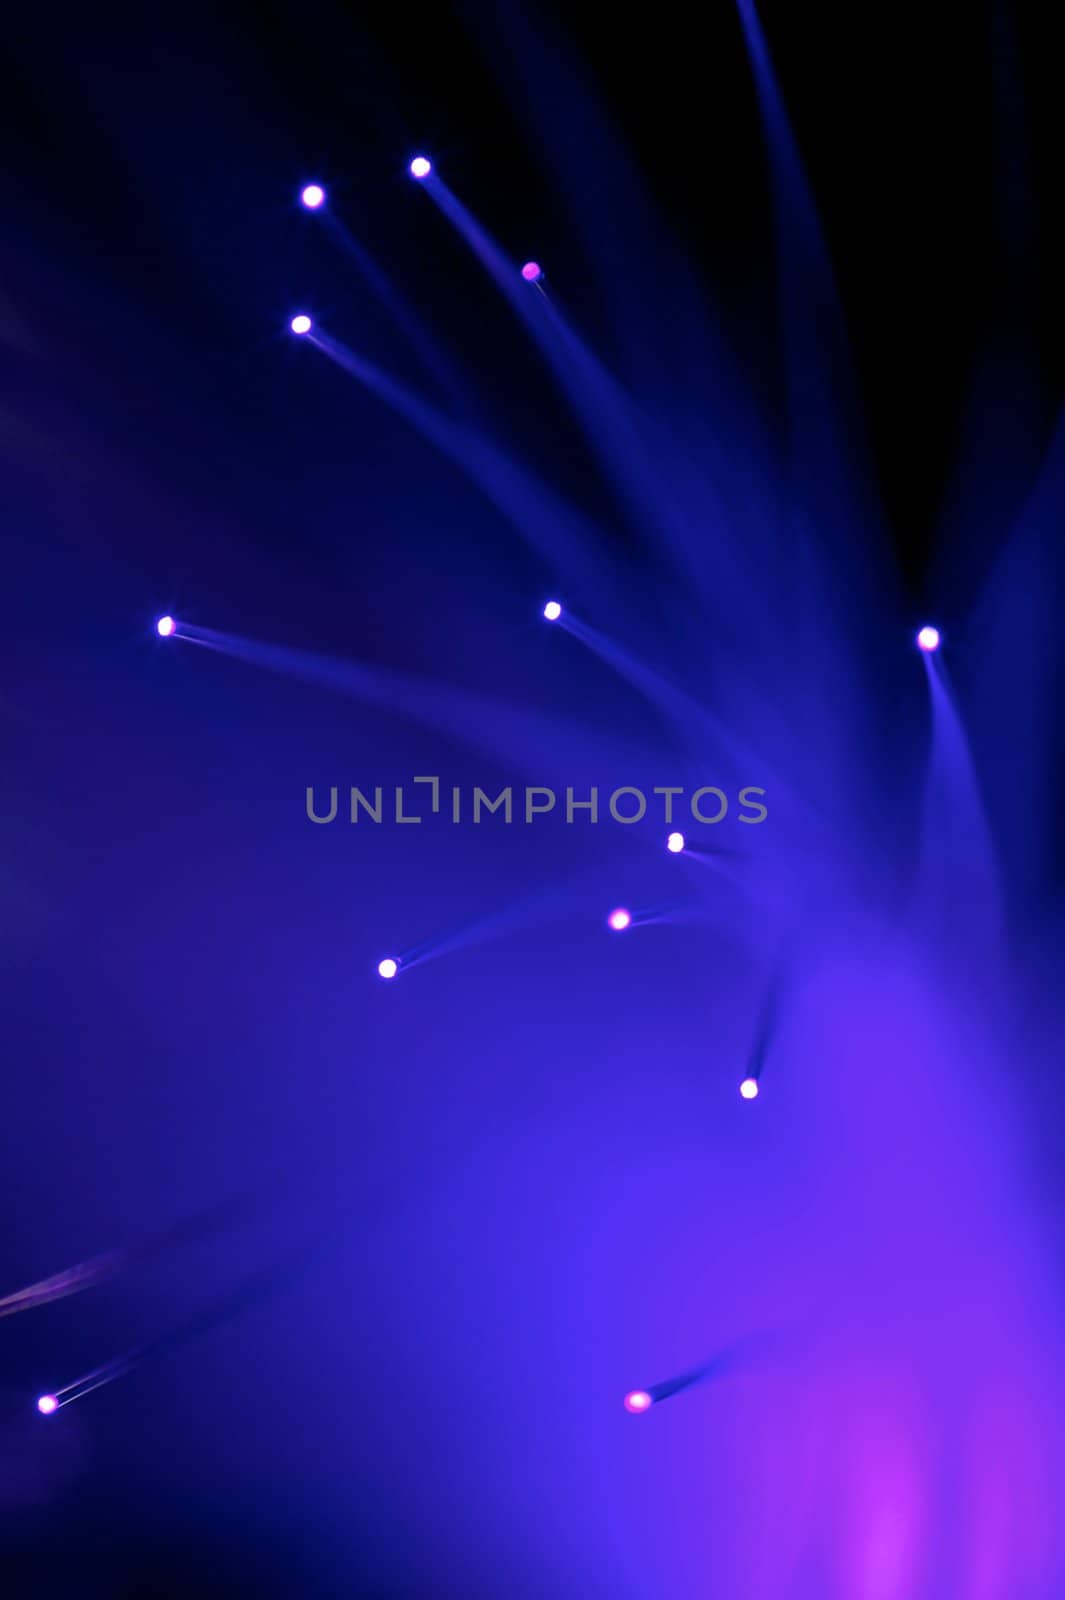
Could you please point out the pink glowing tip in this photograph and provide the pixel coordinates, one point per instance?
(47, 1404)
(387, 968)
(619, 919)
(749, 1088)
(638, 1400)
(313, 196)
(532, 272)
(165, 627)
(675, 843)
(928, 639)
(552, 611)
(300, 324)
(420, 167)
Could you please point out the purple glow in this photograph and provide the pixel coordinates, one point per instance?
(532, 272)
(165, 627)
(638, 1400)
(301, 324)
(544, 1119)
(420, 167)
(47, 1404)
(313, 196)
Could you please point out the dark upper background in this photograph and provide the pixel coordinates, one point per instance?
(124, 202)
(152, 160)
(165, 446)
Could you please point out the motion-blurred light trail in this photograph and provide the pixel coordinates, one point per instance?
(544, 518)
(735, 1357)
(202, 1225)
(644, 460)
(244, 1297)
(537, 744)
(420, 338)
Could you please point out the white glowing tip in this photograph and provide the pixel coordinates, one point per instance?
(420, 167)
(47, 1404)
(313, 196)
(749, 1088)
(675, 843)
(928, 639)
(552, 611)
(638, 1400)
(300, 324)
(165, 627)
(387, 968)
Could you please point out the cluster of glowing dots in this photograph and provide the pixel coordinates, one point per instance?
(675, 844)
(387, 968)
(638, 1401)
(301, 324)
(552, 611)
(749, 1088)
(165, 627)
(47, 1404)
(420, 167)
(928, 640)
(532, 272)
(313, 196)
(619, 920)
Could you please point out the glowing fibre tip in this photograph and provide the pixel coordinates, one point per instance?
(300, 324)
(387, 968)
(639, 1400)
(165, 627)
(313, 196)
(675, 843)
(619, 920)
(749, 1088)
(552, 611)
(47, 1404)
(532, 272)
(928, 639)
(420, 167)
